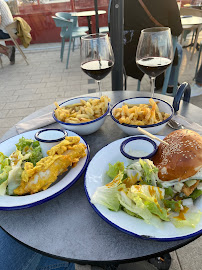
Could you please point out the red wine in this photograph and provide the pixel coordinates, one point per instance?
(153, 66)
(97, 69)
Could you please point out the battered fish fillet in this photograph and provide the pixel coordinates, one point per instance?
(46, 171)
(60, 148)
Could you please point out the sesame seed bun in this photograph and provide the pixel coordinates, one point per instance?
(182, 158)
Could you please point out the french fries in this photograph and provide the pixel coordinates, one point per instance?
(81, 112)
(140, 114)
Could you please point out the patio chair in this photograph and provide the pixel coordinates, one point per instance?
(168, 71)
(104, 29)
(66, 33)
(188, 28)
(76, 28)
(12, 29)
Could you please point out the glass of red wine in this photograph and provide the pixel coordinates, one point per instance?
(97, 58)
(154, 52)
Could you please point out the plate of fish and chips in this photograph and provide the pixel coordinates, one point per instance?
(28, 179)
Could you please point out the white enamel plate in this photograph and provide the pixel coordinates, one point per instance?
(96, 177)
(65, 182)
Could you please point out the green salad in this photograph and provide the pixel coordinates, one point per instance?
(137, 190)
(11, 167)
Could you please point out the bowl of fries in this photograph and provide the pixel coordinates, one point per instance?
(83, 115)
(151, 114)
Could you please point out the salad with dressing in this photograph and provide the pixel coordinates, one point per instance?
(137, 190)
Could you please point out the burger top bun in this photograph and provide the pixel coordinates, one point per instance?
(182, 158)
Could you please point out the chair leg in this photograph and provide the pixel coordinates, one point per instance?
(62, 49)
(70, 41)
(17, 45)
(1, 62)
(73, 44)
(195, 41)
(138, 85)
(199, 56)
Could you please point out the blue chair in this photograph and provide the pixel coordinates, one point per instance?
(104, 29)
(66, 33)
(168, 71)
(76, 28)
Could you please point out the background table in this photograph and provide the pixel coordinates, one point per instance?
(68, 228)
(192, 23)
(88, 15)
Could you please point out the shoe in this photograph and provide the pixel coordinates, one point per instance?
(196, 90)
(11, 55)
(170, 89)
(161, 263)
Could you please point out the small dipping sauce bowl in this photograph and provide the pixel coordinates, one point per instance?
(49, 138)
(138, 147)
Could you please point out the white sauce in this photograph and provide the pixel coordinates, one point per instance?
(138, 153)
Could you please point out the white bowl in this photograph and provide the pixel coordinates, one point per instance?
(155, 128)
(82, 128)
(49, 138)
(132, 148)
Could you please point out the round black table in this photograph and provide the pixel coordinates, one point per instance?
(68, 228)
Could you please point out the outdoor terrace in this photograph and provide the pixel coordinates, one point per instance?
(25, 89)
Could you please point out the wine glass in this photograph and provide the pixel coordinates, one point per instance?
(97, 58)
(154, 52)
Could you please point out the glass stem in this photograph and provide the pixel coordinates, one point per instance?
(98, 82)
(152, 82)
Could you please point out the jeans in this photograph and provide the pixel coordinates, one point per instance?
(199, 75)
(173, 69)
(4, 35)
(15, 256)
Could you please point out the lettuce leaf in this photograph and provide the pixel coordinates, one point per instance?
(146, 192)
(175, 206)
(157, 210)
(150, 172)
(31, 149)
(195, 194)
(14, 176)
(4, 171)
(107, 195)
(139, 209)
(169, 192)
(191, 218)
(14, 179)
(114, 169)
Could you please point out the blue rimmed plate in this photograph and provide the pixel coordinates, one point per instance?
(96, 176)
(65, 181)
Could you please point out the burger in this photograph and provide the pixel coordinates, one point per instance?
(180, 163)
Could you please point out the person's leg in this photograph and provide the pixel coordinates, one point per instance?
(4, 50)
(8, 51)
(51, 263)
(174, 67)
(15, 256)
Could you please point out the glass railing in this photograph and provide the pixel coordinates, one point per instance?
(37, 13)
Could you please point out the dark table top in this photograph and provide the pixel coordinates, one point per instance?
(67, 227)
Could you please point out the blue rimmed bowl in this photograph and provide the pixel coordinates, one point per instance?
(138, 147)
(49, 138)
(132, 129)
(82, 128)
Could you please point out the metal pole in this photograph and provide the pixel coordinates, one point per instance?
(96, 16)
(116, 34)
